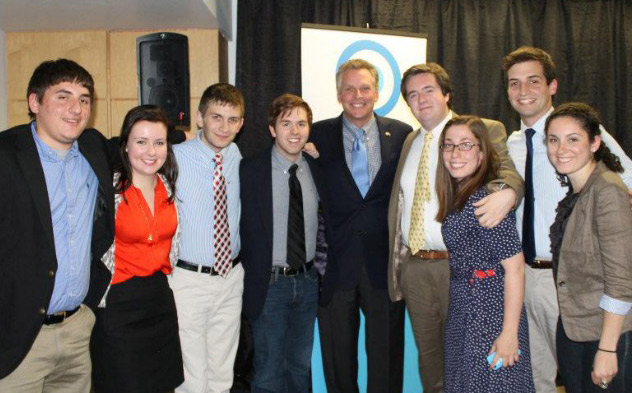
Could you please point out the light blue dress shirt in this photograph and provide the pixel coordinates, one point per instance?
(194, 190)
(72, 192)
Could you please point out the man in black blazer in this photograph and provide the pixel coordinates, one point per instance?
(56, 220)
(357, 204)
(281, 282)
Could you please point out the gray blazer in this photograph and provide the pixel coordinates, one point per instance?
(595, 256)
(397, 249)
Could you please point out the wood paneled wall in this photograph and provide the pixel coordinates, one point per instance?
(110, 56)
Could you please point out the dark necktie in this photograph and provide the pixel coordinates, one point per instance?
(528, 237)
(295, 222)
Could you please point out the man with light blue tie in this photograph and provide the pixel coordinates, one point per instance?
(359, 152)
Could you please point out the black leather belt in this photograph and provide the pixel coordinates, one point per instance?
(202, 268)
(59, 317)
(289, 272)
(541, 264)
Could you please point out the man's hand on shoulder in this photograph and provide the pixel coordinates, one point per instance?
(310, 149)
(492, 209)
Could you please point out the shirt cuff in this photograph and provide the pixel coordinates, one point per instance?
(615, 306)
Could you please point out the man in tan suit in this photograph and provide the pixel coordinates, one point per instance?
(419, 271)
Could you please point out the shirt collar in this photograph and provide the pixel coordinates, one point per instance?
(437, 130)
(48, 153)
(283, 163)
(538, 126)
(206, 149)
(370, 125)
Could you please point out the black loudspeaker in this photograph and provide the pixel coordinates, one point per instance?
(163, 74)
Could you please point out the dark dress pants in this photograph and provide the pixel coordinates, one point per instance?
(339, 324)
(576, 359)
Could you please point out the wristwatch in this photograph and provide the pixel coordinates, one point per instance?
(496, 187)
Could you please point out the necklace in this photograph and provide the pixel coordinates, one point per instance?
(151, 223)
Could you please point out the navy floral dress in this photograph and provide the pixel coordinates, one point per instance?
(475, 316)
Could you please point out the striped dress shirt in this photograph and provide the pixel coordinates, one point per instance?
(194, 190)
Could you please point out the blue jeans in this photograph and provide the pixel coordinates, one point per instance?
(283, 334)
(576, 359)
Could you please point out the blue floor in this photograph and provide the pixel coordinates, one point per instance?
(411, 373)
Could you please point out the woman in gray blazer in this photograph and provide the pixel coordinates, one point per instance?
(591, 242)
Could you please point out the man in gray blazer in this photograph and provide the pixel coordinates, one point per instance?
(420, 274)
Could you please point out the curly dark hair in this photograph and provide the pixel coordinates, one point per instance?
(589, 121)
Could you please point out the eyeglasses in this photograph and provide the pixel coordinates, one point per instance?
(465, 146)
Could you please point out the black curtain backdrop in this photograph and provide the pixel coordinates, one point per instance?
(588, 40)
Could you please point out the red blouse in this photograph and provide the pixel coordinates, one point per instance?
(142, 240)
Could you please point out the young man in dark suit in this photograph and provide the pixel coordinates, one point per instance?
(56, 220)
(358, 157)
(279, 223)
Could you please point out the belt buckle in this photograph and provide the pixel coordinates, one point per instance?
(289, 271)
(62, 314)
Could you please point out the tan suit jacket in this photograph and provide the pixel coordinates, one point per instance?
(398, 250)
(595, 256)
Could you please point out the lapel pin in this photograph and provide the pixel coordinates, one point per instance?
(387, 133)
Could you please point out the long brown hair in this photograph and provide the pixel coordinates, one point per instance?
(169, 169)
(454, 194)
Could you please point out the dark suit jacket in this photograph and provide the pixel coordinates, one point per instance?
(255, 177)
(358, 226)
(27, 251)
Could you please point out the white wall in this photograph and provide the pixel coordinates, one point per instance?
(232, 45)
(4, 95)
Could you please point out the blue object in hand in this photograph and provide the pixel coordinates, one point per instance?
(499, 363)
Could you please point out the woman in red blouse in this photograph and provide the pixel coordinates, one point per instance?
(135, 345)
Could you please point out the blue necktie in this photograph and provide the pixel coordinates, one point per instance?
(360, 163)
(528, 236)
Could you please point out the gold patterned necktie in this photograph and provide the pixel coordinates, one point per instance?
(416, 238)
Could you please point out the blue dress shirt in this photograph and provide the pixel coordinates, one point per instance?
(194, 190)
(72, 192)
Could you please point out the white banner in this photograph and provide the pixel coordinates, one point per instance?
(324, 48)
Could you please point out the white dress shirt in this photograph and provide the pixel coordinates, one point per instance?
(547, 190)
(432, 228)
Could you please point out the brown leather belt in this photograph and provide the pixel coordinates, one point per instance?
(432, 254)
(541, 264)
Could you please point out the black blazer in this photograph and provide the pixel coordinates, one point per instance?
(358, 226)
(27, 251)
(255, 177)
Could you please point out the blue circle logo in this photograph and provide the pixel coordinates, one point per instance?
(380, 49)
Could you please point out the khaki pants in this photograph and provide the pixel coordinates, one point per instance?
(540, 298)
(426, 288)
(59, 360)
(209, 318)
